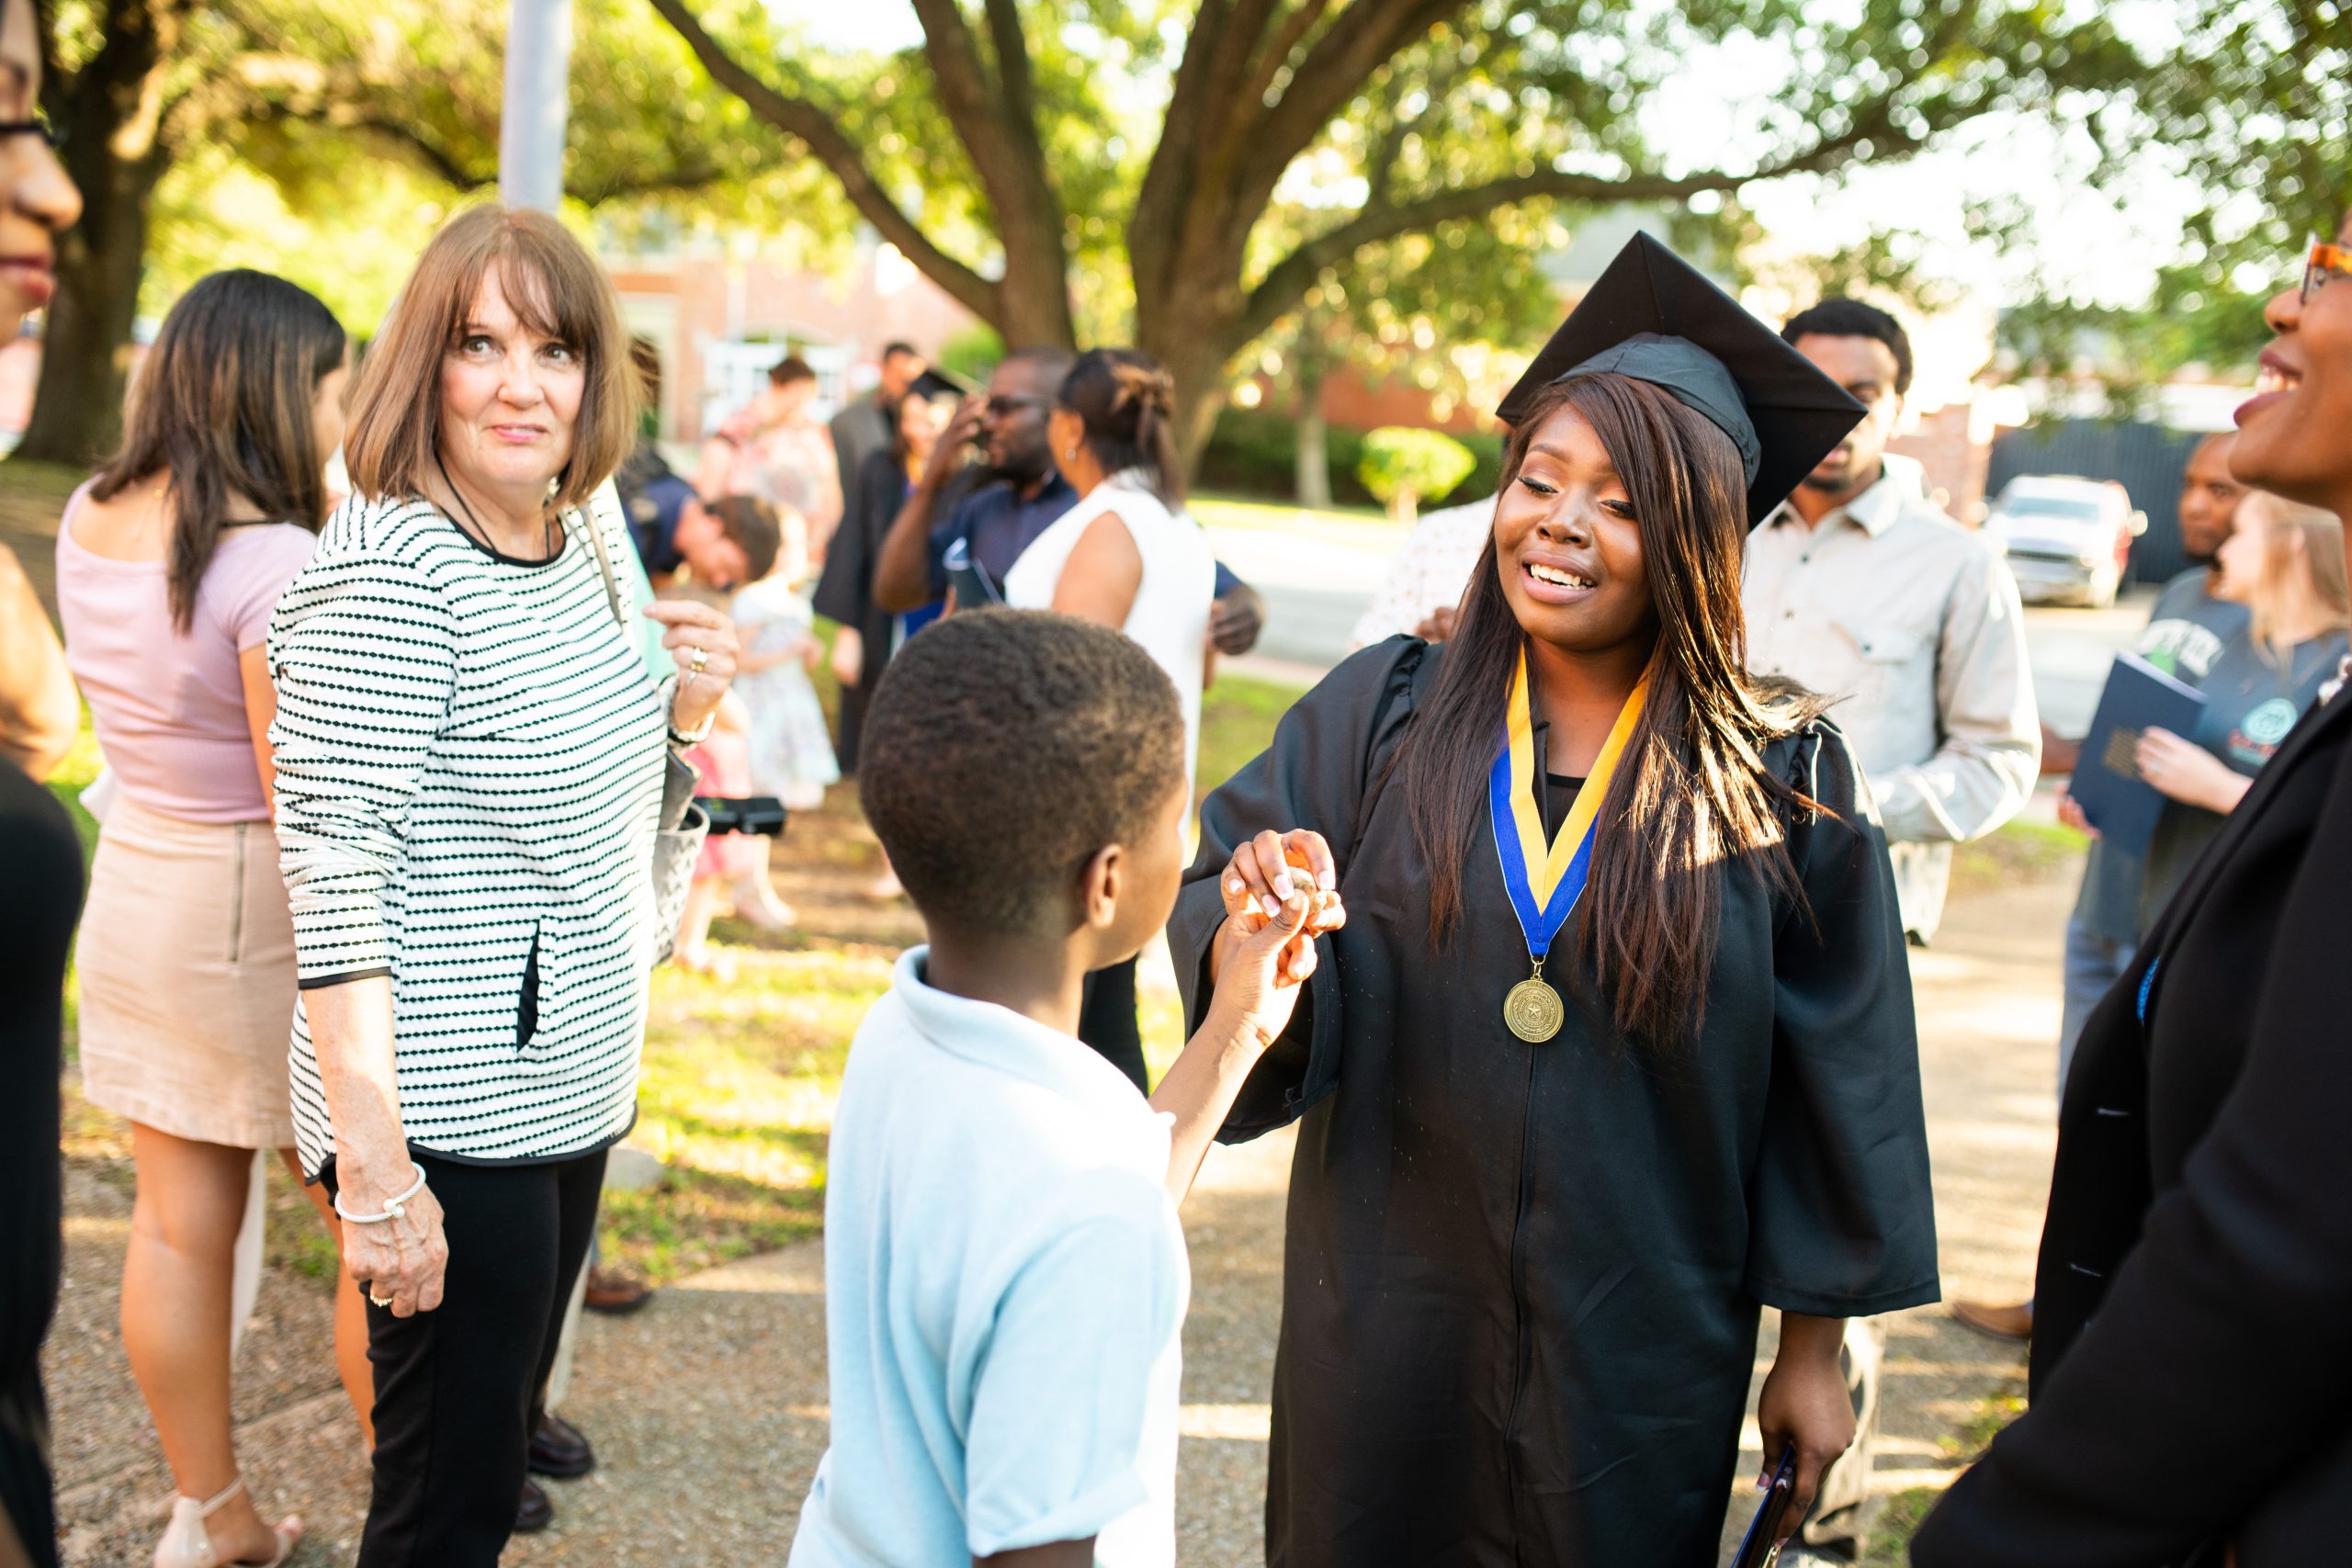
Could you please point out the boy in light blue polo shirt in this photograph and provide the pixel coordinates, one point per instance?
(1005, 1277)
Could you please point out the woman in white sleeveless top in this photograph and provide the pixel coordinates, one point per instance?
(1127, 554)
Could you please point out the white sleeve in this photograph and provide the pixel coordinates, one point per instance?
(363, 651)
(1078, 1376)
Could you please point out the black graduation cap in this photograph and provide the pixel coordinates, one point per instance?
(935, 383)
(1654, 317)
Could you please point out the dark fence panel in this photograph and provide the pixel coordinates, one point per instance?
(2146, 459)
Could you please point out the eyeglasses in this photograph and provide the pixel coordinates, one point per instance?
(2325, 261)
(1003, 407)
(38, 125)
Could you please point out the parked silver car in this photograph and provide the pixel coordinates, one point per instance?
(2068, 539)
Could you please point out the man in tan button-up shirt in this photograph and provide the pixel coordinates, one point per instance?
(1858, 589)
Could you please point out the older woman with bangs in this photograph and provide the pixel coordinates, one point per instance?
(470, 760)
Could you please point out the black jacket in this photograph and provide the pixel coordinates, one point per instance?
(2192, 1355)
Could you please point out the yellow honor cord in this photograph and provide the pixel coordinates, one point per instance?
(1546, 866)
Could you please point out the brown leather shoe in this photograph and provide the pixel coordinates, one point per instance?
(2000, 1322)
(535, 1512)
(613, 1292)
(560, 1450)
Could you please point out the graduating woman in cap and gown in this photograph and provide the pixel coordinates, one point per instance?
(1608, 1038)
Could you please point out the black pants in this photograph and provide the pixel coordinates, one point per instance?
(457, 1388)
(1106, 1020)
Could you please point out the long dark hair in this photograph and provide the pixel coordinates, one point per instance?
(1125, 400)
(223, 408)
(1691, 793)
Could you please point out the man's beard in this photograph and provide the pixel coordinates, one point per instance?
(1837, 484)
(1017, 470)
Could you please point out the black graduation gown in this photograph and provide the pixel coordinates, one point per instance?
(844, 592)
(1521, 1284)
(2192, 1372)
(41, 898)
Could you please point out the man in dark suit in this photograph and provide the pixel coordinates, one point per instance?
(2192, 1349)
(866, 426)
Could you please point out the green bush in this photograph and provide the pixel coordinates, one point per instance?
(1254, 452)
(971, 354)
(1402, 466)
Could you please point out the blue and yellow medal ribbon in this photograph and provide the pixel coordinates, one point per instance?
(1545, 880)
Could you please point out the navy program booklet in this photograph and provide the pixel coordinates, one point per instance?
(2107, 784)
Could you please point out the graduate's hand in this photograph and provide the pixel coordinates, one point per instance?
(1804, 1400)
(1265, 872)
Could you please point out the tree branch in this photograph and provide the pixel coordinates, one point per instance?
(1357, 43)
(1276, 55)
(1012, 73)
(1289, 278)
(816, 130)
(1159, 199)
(1010, 158)
(965, 91)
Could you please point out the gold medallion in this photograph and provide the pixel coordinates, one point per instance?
(1532, 1010)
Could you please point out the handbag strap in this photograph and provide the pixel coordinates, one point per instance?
(602, 565)
(604, 569)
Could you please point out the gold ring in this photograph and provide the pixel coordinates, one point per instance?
(379, 1300)
(701, 657)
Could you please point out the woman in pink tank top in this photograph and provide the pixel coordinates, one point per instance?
(168, 566)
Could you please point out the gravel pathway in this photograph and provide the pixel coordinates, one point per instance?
(709, 1411)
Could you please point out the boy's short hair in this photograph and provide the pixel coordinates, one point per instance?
(1002, 750)
(754, 527)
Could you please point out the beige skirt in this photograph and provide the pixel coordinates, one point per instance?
(187, 966)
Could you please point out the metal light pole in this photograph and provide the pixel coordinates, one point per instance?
(531, 121)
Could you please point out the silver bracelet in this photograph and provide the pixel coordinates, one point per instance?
(392, 1206)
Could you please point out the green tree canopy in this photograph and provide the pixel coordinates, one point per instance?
(322, 139)
(1216, 161)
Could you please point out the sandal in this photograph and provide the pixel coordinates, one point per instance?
(701, 959)
(187, 1544)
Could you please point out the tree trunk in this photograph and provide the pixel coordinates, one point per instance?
(1314, 487)
(86, 338)
(1193, 333)
(112, 110)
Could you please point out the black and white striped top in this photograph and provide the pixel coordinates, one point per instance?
(470, 762)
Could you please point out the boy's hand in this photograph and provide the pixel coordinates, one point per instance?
(1257, 984)
(1264, 873)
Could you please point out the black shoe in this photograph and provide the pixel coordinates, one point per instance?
(559, 1449)
(535, 1512)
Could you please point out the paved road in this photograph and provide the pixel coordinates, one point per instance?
(1316, 588)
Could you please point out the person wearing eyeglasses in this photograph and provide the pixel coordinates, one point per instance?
(2197, 1211)
(963, 524)
(41, 874)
